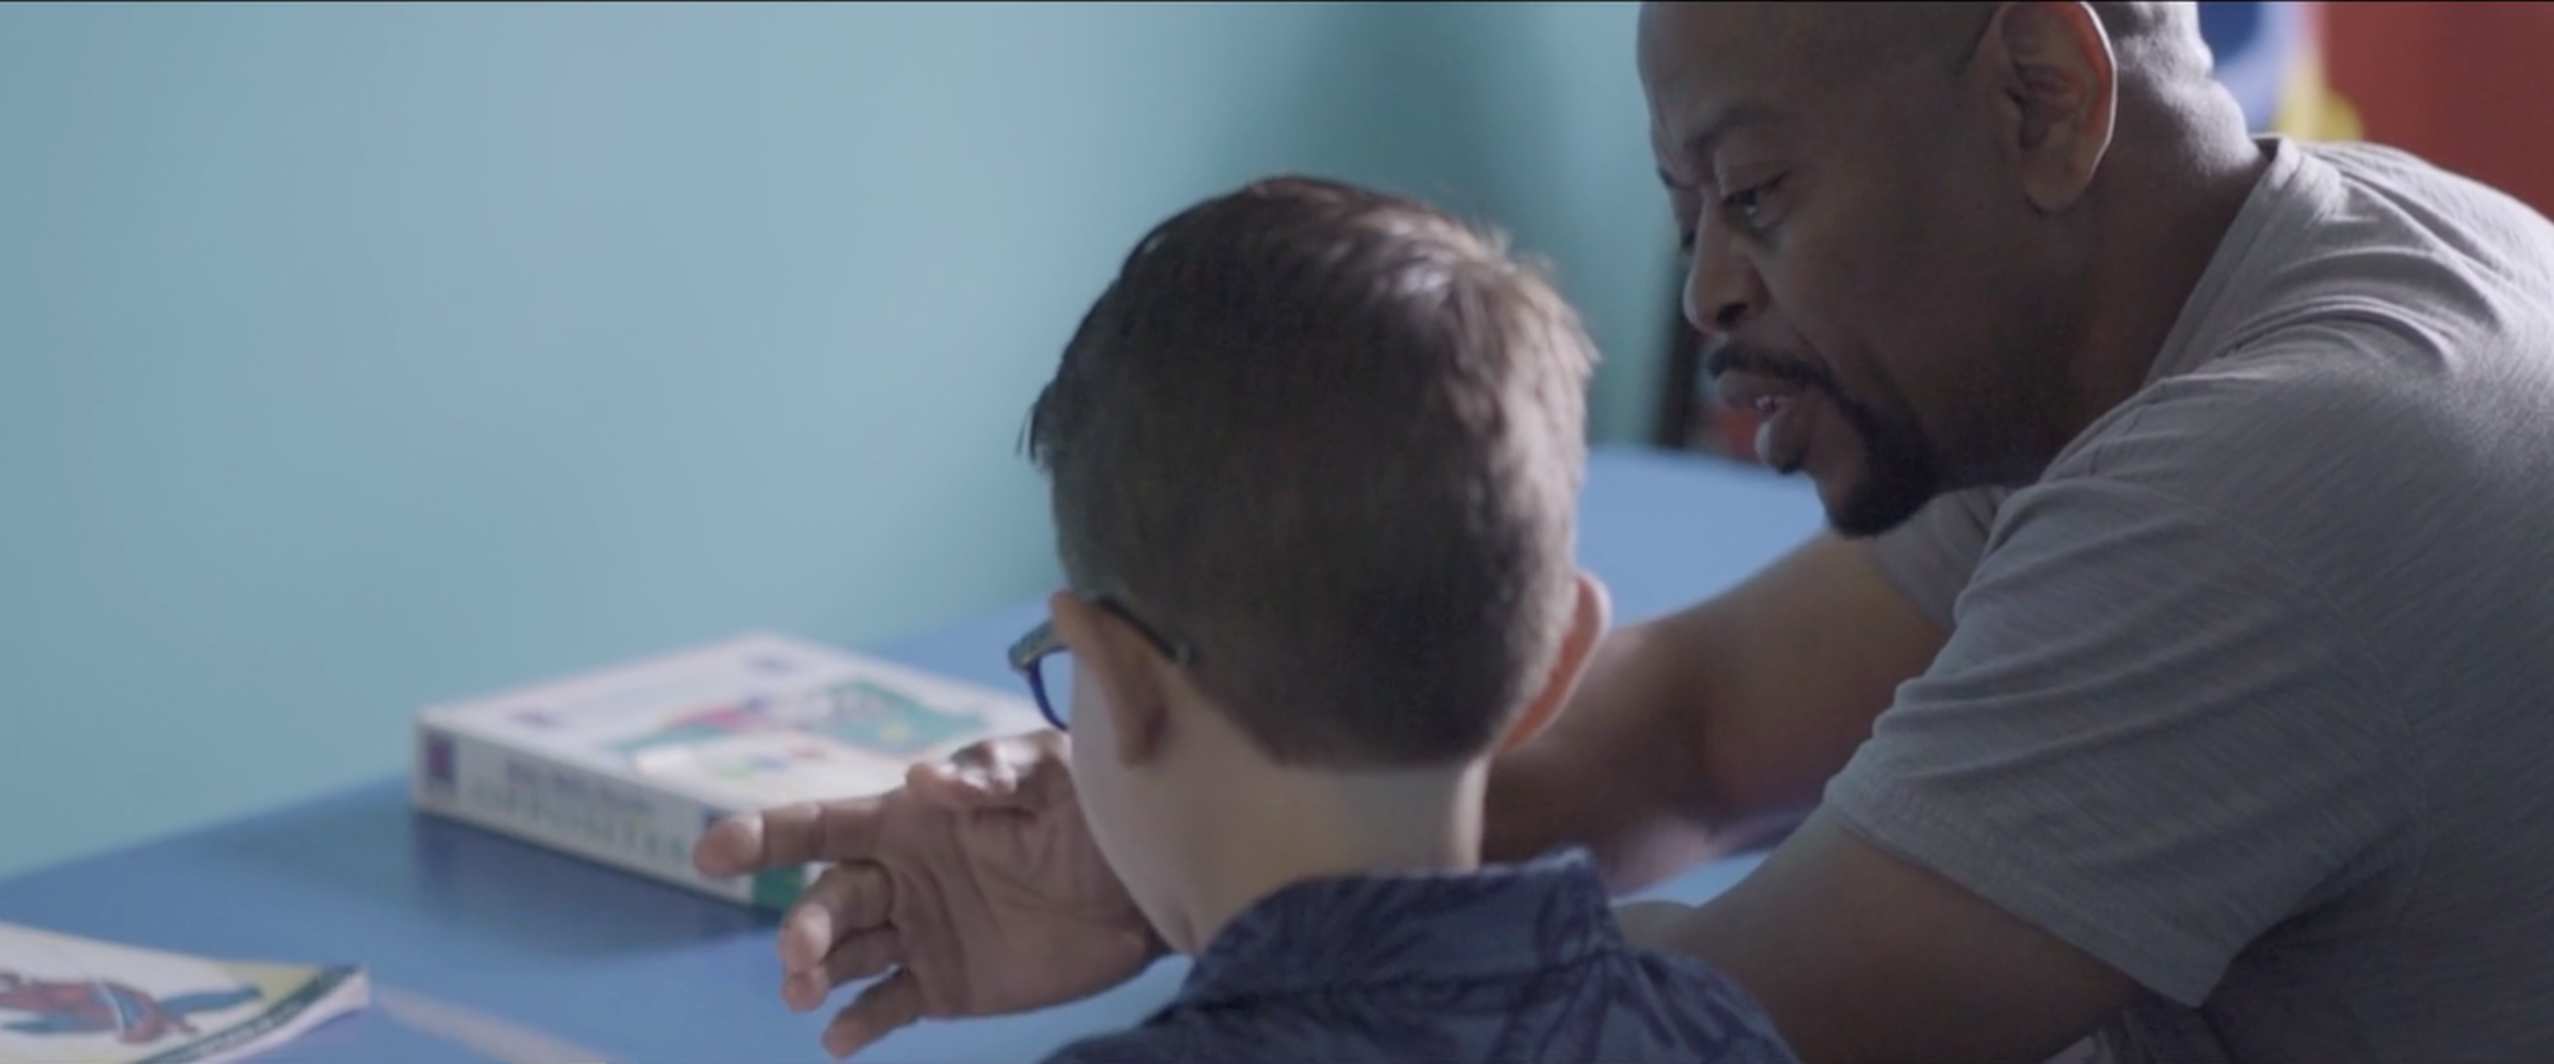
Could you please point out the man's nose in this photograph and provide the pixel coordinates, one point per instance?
(1721, 286)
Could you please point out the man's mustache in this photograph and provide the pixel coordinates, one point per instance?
(1727, 357)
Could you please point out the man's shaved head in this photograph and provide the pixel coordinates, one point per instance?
(1894, 213)
(1834, 40)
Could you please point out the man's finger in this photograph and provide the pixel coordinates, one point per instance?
(1009, 772)
(860, 955)
(845, 901)
(731, 847)
(789, 835)
(1017, 751)
(960, 788)
(888, 1004)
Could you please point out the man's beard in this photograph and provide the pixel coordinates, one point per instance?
(1900, 473)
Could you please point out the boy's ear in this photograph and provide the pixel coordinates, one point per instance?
(1123, 674)
(1589, 613)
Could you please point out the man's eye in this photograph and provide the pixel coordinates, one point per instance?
(1685, 237)
(1749, 207)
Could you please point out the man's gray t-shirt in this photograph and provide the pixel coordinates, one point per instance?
(2251, 695)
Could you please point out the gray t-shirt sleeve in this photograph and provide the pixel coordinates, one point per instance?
(2146, 736)
(1930, 557)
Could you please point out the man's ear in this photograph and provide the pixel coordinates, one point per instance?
(2052, 69)
(1121, 672)
(1590, 610)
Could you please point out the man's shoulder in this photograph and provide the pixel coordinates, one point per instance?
(2340, 418)
(2377, 199)
(2387, 318)
(2281, 395)
(2368, 493)
(2425, 187)
(2381, 292)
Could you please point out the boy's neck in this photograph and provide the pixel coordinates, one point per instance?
(1287, 825)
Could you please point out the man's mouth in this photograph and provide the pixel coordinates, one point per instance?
(1754, 391)
(1782, 431)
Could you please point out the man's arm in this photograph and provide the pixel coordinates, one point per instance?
(2152, 740)
(1690, 729)
(1862, 957)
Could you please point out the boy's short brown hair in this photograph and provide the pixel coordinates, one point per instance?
(1332, 439)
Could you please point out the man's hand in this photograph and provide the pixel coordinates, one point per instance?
(977, 883)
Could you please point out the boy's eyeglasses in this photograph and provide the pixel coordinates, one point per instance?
(1032, 653)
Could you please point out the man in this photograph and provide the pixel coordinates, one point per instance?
(2174, 690)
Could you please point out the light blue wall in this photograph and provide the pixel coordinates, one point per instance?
(353, 357)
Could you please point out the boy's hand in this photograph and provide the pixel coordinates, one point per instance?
(976, 882)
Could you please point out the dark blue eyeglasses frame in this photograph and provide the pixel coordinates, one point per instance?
(1028, 651)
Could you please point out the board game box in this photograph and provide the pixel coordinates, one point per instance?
(628, 765)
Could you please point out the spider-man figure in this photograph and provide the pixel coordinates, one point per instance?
(98, 1007)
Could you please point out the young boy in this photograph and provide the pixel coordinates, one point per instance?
(1315, 457)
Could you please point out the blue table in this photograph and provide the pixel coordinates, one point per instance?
(642, 972)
